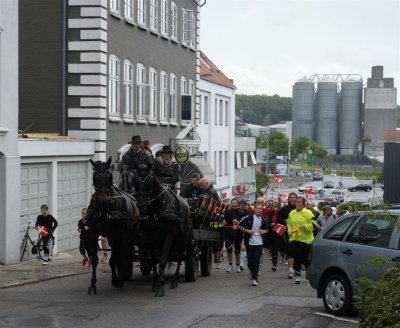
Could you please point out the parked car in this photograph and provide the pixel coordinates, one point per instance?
(330, 200)
(328, 184)
(339, 194)
(361, 186)
(317, 176)
(305, 187)
(345, 252)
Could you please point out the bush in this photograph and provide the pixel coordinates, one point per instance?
(379, 304)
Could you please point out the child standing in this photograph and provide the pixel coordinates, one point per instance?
(84, 238)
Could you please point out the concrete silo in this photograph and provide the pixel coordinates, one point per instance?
(350, 117)
(303, 109)
(326, 114)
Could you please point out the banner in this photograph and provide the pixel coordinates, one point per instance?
(281, 165)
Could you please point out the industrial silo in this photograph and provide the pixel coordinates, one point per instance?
(326, 114)
(350, 116)
(303, 109)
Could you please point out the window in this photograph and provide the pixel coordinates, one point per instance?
(216, 163)
(238, 161)
(184, 86)
(164, 17)
(115, 6)
(174, 21)
(221, 112)
(226, 163)
(186, 108)
(187, 26)
(153, 93)
(113, 85)
(141, 92)
(206, 109)
(193, 39)
(245, 164)
(206, 156)
(141, 12)
(376, 233)
(220, 169)
(163, 96)
(172, 97)
(338, 231)
(128, 86)
(154, 15)
(129, 9)
(216, 112)
(226, 113)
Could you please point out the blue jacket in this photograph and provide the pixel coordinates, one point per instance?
(247, 223)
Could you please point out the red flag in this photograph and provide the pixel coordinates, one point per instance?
(278, 179)
(309, 192)
(279, 228)
(43, 230)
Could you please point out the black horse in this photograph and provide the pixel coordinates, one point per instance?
(164, 229)
(113, 214)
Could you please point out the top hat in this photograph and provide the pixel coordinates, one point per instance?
(166, 150)
(136, 140)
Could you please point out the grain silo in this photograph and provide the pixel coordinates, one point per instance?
(349, 126)
(303, 109)
(326, 115)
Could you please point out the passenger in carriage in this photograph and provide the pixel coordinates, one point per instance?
(136, 158)
(208, 189)
(192, 191)
(166, 168)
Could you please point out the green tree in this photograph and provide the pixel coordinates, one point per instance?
(262, 180)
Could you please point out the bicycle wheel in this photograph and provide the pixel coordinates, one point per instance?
(22, 248)
(50, 245)
(40, 248)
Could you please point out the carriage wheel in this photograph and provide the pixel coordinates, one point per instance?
(145, 267)
(206, 260)
(191, 268)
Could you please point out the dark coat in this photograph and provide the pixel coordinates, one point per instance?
(190, 191)
(247, 223)
(136, 159)
(167, 173)
(211, 193)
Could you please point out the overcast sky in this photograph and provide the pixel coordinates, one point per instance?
(266, 46)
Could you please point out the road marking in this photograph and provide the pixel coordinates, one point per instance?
(336, 318)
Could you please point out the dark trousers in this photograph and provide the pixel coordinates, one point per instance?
(301, 255)
(84, 246)
(254, 253)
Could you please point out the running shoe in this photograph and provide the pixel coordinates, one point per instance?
(218, 265)
(291, 275)
(297, 280)
(45, 262)
(254, 282)
(238, 269)
(274, 268)
(241, 267)
(229, 268)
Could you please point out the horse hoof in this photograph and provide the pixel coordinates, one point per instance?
(92, 290)
(174, 284)
(160, 293)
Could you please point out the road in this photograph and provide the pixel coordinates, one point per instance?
(221, 300)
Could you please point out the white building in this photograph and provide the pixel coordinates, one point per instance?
(216, 124)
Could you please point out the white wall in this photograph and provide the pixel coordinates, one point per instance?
(9, 158)
(216, 138)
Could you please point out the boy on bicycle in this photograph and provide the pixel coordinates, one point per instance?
(46, 224)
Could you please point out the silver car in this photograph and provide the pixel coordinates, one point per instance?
(354, 246)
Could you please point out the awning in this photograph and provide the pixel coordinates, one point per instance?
(196, 165)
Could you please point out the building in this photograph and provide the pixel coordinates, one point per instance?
(104, 70)
(245, 186)
(379, 111)
(216, 123)
(9, 155)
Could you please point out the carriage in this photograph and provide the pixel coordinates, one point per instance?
(167, 229)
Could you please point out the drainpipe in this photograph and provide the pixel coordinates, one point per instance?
(64, 69)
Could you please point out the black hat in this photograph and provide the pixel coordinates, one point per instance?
(136, 139)
(166, 149)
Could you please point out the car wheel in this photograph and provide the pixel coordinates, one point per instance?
(337, 295)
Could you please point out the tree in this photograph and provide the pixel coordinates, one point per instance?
(303, 143)
(262, 180)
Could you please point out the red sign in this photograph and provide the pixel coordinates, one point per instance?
(278, 179)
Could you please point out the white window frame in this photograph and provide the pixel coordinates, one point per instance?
(184, 86)
(193, 39)
(141, 12)
(164, 17)
(128, 88)
(141, 91)
(174, 21)
(226, 113)
(172, 97)
(216, 111)
(187, 26)
(153, 94)
(115, 7)
(113, 85)
(163, 96)
(221, 112)
(154, 15)
(128, 10)
(206, 111)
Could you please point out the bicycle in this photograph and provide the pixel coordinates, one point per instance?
(37, 248)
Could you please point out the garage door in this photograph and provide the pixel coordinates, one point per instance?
(72, 196)
(34, 192)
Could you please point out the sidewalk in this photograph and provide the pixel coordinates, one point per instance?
(28, 272)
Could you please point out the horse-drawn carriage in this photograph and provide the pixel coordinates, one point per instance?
(154, 226)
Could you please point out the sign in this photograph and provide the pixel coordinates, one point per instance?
(278, 179)
(281, 165)
(182, 154)
(321, 193)
(323, 167)
(309, 157)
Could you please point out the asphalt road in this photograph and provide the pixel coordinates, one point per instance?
(221, 300)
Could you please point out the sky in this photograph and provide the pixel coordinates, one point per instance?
(266, 46)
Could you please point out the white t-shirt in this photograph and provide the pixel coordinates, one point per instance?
(255, 238)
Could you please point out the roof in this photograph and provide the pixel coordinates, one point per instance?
(210, 72)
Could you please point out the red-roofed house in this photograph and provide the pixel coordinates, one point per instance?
(216, 123)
